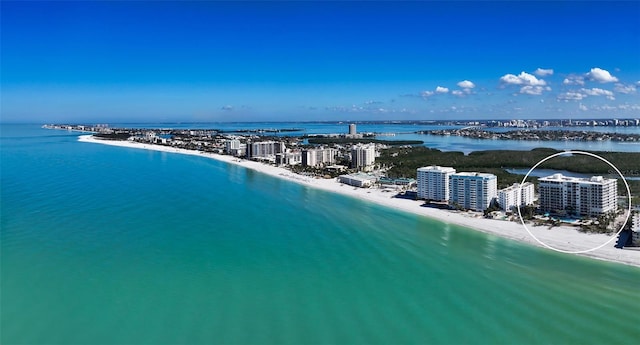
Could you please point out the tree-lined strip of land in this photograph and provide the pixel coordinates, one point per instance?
(537, 135)
(404, 162)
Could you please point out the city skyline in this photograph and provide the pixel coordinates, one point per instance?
(308, 61)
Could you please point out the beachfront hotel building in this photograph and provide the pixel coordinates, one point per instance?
(589, 197)
(363, 157)
(516, 195)
(472, 190)
(433, 182)
(319, 157)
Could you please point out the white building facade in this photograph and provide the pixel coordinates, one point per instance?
(319, 157)
(289, 158)
(358, 180)
(235, 147)
(231, 144)
(516, 195)
(265, 149)
(352, 129)
(472, 191)
(433, 182)
(363, 157)
(590, 197)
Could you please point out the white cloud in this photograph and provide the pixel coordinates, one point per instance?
(438, 90)
(583, 93)
(510, 79)
(458, 92)
(573, 80)
(571, 96)
(523, 78)
(605, 107)
(583, 107)
(598, 92)
(465, 84)
(625, 107)
(426, 93)
(621, 88)
(541, 72)
(533, 90)
(601, 76)
(634, 107)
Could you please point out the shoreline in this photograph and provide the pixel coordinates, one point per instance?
(563, 237)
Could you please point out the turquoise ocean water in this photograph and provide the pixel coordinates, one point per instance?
(108, 245)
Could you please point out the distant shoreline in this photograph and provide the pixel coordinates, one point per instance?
(565, 238)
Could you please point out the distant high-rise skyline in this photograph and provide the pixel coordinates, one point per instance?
(276, 61)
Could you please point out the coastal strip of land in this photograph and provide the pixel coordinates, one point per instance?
(563, 237)
(536, 135)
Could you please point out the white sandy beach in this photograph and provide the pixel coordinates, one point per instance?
(564, 238)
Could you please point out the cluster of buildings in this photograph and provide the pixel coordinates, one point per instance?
(361, 156)
(468, 190)
(520, 123)
(558, 194)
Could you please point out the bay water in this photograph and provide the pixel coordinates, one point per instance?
(110, 245)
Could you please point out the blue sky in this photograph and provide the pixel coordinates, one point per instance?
(273, 61)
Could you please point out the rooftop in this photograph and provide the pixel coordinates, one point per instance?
(437, 168)
(515, 186)
(361, 176)
(591, 180)
(474, 174)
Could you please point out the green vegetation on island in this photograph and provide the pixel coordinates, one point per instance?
(403, 162)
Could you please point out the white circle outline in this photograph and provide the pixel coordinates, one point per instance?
(582, 153)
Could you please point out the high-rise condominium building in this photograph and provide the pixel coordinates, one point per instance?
(471, 190)
(577, 196)
(264, 149)
(319, 157)
(363, 156)
(516, 195)
(235, 147)
(433, 182)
